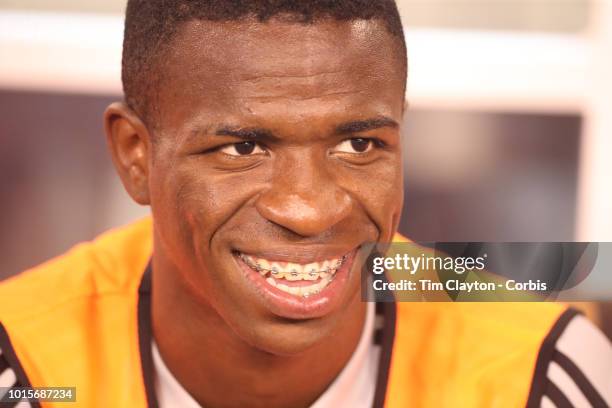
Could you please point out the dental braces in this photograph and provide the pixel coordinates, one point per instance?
(275, 272)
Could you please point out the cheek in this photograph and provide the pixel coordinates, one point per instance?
(199, 202)
(190, 208)
(379, 190)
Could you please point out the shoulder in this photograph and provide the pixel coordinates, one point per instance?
(568, 357)
(487, 352)
(109, 264)
(88, 293)
(507, 323)
(574, 366)
(480, 335)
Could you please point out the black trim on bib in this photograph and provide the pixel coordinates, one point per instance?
(583, 383)
(556, 396)
(545, 356)
(8, 354)
(145, 336)
(387, 339)
(4, 365)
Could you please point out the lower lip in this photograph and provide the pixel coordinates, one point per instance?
(290, 306)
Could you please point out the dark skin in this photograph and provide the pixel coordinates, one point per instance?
(256, 147)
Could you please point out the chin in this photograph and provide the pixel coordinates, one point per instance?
(291, 339)
(283, 337)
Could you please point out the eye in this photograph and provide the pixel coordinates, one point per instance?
(355, 145)
(242, 149)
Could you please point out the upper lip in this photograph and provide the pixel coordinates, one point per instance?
(301, 254)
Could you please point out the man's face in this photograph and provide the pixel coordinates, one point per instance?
(277, 156)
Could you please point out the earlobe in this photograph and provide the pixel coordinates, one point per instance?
(130, 145)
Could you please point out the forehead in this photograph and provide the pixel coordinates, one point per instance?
(281, 71)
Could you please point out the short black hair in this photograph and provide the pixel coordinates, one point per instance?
(151, 24)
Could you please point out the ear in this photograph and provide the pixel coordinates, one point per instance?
(130, 145)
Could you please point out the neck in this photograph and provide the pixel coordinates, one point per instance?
(211, 362)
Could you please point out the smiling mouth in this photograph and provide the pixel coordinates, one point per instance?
(300, 280)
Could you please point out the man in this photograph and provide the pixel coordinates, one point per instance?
(265, 136)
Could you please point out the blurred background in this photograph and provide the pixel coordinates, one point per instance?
(507, 137)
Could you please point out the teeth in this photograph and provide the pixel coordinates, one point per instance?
(304, 291)
(264, 264)
(293, 271)
(275, 267)
(283, 287)
(312, 267)
(311, 275)
(322, 272)
(293, 267)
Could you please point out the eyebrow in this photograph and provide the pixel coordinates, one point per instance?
(246, 133)
(363, 125)
(260, 134)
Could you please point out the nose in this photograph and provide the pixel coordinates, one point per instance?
(304, 198)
